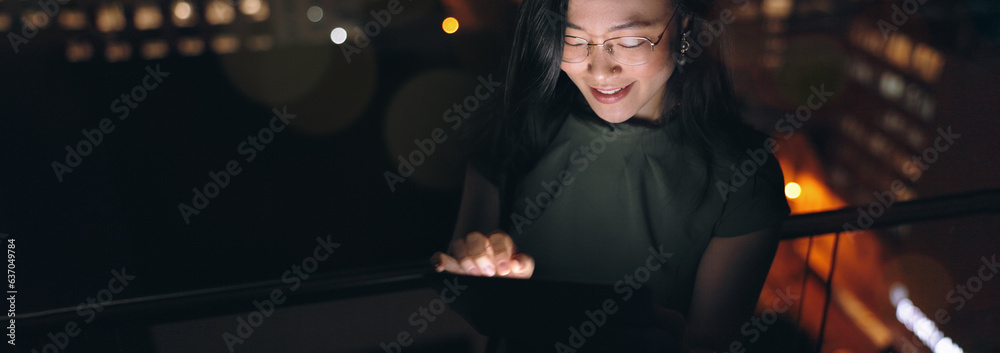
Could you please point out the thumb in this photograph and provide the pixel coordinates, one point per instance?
(444, 262)
(522, 266)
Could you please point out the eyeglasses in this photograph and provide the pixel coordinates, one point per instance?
(626, 50)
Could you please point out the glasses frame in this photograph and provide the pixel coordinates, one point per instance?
(590, 45)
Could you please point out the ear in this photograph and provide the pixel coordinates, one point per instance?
(685, 22)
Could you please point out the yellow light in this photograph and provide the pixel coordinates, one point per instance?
(258, 10)
(182, 10)
(147, 17)
(184, 14)
(73, 19)
(250, 7)
(110, 18)
(5, 22)
(219, 12)
(450, 25)
(793, 190)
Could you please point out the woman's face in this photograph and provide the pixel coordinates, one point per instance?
(628, 90)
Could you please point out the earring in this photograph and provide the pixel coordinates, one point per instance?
(685, 45)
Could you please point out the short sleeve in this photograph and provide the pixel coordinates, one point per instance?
(757, 203)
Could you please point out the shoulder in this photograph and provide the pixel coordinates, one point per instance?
(750, 184)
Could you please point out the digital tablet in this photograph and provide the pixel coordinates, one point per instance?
(540, 308)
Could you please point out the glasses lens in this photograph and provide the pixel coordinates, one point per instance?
(575, 50)
(631, 50)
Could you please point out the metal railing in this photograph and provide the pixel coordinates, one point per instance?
(228, 299)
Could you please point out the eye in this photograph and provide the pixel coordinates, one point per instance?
(574, 41)
(631, 42)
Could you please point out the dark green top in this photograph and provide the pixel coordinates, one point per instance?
(604, 198)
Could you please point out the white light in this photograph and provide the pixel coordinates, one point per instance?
(182, 10)
(915, 320)
(338, 35)
(314, 13)
(250, 7)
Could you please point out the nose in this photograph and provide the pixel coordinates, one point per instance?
(602, 66)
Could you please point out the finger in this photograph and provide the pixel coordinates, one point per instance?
(461, 252)
(503, 249)
(443, 262)
(522, 266)
(481, 252)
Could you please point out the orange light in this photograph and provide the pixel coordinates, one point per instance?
(793, 190)
(450, 25)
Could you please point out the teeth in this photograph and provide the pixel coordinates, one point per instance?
(611, 92)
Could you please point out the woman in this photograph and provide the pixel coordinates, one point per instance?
(620, 138)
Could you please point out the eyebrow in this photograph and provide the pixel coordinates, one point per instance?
(633, 24)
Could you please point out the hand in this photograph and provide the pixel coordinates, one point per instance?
(479, 255)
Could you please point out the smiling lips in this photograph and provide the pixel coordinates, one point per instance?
(610, 96)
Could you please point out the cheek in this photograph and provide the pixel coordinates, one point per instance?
(656, 72)
(571, 70)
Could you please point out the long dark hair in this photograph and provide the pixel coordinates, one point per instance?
(537, 96)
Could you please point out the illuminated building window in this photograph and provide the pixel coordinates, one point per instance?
(155, 49)
(190, 46)
(891, 85)
(915, 139)
(79, 51)
(927, 108)
(898, 50)
(36, 18)
(871, 40)
(913, 98)
(314, 13)
(861, 71)
(73, 19)
(878, 145)
(259, 43)
(927, 62)
(118, 51)
(852, 128)
(219, 12)
(258, 10)
(893, 122)
(5, 22)
(777, 9)
(110, 18)
(148, 16)
(225, 44)
(184, 14)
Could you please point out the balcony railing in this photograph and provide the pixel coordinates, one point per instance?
(209, 302)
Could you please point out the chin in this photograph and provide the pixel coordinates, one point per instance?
(613, 113)
(614, 117)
